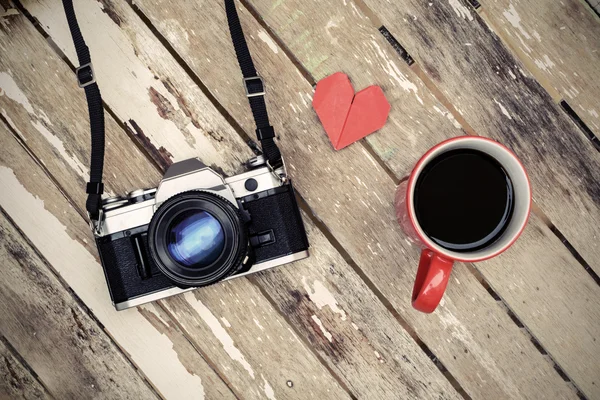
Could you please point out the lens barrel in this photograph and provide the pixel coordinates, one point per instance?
(197, 238)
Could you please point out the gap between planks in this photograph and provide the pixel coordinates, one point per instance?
(320, 225)
(53, 271)
(419, 72)
(470, 131)
(310, 79)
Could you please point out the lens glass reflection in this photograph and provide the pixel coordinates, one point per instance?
(195, 239)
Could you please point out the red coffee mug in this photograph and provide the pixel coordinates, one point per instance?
(436, 262)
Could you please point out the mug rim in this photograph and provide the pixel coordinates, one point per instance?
(410, 206)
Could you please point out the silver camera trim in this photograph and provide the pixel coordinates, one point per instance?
(122, 213)
(180, 177)
(161, 294)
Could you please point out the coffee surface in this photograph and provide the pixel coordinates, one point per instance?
(463, 200)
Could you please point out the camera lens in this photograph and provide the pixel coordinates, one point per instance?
(197, 238)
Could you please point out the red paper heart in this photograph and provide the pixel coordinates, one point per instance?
(345, 116)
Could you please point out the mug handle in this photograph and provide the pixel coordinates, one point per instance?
(432, 279)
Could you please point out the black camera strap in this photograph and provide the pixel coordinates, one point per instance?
(255, 89)
(87, 81)
(254, 85)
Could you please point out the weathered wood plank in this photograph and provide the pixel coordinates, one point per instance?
(233, 343)
(489, 88)
(334, 311)
(558, 42)
(552, 274)
(305, 364)
(64, 346)
(63, 238)
(16, 381)
(58, 133)
(301, 140)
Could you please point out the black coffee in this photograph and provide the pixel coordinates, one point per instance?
(463, 200)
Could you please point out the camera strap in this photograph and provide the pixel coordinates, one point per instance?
(255, 92)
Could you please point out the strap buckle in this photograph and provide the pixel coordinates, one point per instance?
(254, 94)
(96, 225)
(279, 173)
(85, 75)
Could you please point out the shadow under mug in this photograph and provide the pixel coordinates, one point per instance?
(436, 261)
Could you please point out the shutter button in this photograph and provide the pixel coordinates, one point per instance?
(251, 184)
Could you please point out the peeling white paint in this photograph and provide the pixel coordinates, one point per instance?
(79, 268)
(460, 10)
(325, 332)
(392, 69)
(269, 392)
(10, 89)
(334, 23)
(219, 332)
(545, 63)
(322, 297)
(77, 165)
(503, 109)
(264, 36)
(514, 19)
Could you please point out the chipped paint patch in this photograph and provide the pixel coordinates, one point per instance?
(460, 10)
(83, 273)
(503, 109)
(545, 64)
(73, 162)
(269, 392)
(514, 19)
(10, 89)
(264, 36)
(392, 69)
(219, 332)
(225, 322)
(325, 332)
(322, 297)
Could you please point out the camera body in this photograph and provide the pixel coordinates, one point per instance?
(197, 228)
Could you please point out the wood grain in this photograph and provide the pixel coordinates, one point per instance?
(331, 308)
(551, 274)
(64, 346)
(16, 380)
(189, 361)
(64, 239)
(490, 89)
(25, 102)
(322, 179)
(558, 42)
(235, 352)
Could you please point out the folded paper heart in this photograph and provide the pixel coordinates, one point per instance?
(348, 117)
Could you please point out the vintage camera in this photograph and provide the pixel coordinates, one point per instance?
(197, 228)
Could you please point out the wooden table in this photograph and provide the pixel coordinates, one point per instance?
(339, 324)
